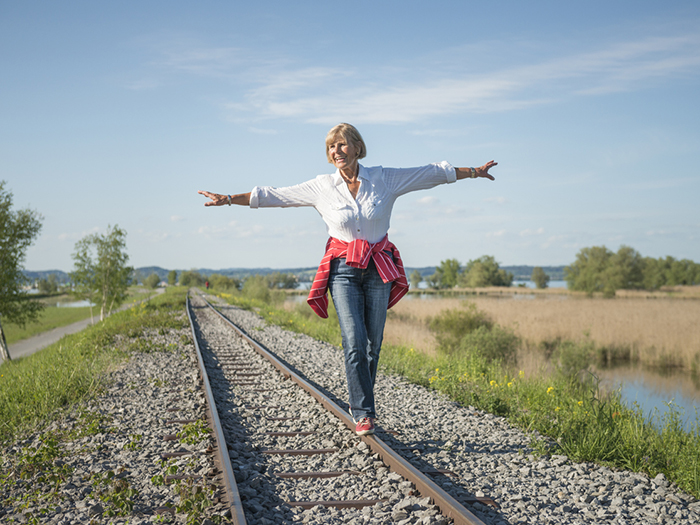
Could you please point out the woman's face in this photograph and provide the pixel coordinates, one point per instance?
(343, 154)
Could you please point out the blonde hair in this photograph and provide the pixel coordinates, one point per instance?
(350, 135)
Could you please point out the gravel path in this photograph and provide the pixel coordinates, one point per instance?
(489, 456)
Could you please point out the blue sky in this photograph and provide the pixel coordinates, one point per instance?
(118, 113)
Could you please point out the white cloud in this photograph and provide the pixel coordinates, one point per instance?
(528, 232)
(497, 200)
(75, 236)
(176, 218)
(499, 233)
(320, 95)
(261, 131)
(428, 200)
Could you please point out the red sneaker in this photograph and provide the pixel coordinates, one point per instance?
(365, 426)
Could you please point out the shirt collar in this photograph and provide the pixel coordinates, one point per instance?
(338, 180)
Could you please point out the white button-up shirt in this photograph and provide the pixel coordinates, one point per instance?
(365, 217)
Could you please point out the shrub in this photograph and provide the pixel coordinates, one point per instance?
(491, 344)
(450, 326)
(257, 287)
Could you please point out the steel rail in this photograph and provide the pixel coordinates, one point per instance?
(231, 489)
(448, 506)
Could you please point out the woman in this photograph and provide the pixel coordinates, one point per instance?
(361, 268)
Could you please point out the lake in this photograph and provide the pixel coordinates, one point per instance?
(652, 390)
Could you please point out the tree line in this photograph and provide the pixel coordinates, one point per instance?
(595, 270)
(598, 269)
(484, 271)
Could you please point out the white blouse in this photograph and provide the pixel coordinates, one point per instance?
(365, 217)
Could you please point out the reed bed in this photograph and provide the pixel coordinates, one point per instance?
(655, 332)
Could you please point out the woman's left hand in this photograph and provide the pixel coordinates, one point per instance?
(483, 171)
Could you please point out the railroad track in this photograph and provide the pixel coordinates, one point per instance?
(283, 445)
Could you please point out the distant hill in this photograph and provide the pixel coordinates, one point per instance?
(520, 273)
(61, 276)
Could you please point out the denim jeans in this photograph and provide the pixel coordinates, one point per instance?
(360, 298)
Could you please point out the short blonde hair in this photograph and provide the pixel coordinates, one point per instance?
(349, 134)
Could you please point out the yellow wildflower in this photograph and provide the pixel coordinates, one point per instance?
(580, 403)
(510, 384)
(521, 374)
(550, 389)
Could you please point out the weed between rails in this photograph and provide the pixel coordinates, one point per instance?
(476, 365)
(115, 491)
(195, 495)
(39, 471)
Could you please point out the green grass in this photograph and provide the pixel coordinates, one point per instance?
(51, 317)
(566, 406)
(56, 316)
(35, 388)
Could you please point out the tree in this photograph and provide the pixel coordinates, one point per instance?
(540, 278)
(587, 273)
(282, 280)
(191, 278)
(598, 269)
(172, 277)
(446, 274)
(485, 271)
(100, 273)
(48, 286)
(415, 279)
(625, 271)
(221, 282)
(152, 281)
(18, 229)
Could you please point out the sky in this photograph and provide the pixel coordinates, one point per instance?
(117, 113)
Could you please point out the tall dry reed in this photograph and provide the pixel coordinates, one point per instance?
(659, 331)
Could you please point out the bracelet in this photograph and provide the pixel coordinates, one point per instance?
(229, 200)
(473, 173)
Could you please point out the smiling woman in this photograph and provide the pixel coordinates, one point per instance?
(362, 270)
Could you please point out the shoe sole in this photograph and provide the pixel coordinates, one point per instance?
(364, 432)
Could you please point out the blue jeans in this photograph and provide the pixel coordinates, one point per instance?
(361, 299)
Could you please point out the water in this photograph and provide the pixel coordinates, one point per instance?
(530, 284)
(652, 391)
(74, 304)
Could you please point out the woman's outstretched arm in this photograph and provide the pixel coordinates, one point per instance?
(242, 199)
(482, 171)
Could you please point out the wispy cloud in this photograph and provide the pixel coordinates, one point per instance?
(428, 200)
(497, 200)
(279, 88)
(528, 232)
(76, 236)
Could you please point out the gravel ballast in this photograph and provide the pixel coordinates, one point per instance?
(488, 455)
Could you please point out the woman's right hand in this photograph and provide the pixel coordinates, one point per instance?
(217, 199)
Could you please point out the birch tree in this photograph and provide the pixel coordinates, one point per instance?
(100, 273)
(18, 229)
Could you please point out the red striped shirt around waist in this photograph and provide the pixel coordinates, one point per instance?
(358, 254)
